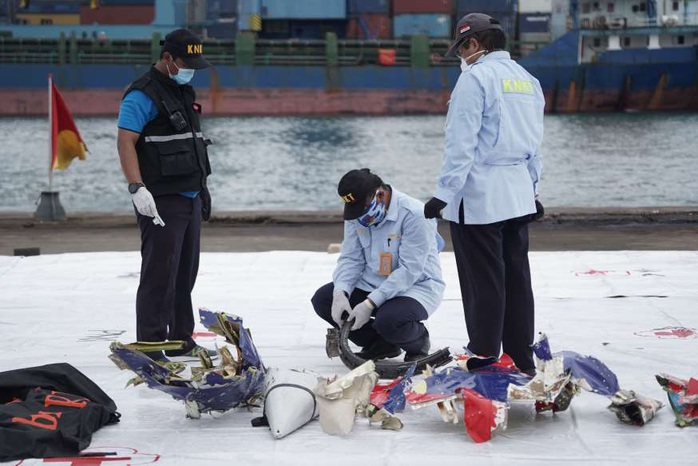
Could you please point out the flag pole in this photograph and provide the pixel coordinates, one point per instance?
(50, 133)
(50, 208)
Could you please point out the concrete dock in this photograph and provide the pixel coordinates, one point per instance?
(560, 230)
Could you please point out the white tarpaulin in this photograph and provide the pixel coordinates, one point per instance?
(634, 311)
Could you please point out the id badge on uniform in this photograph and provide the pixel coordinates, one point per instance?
(386, 263)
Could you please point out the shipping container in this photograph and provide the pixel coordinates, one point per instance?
(50, 7)
(180, 13)
(421, 6)
(244, 22)
(196, 12)
(540, 38)
(535, 6)
(218, 8)
(305, 9)
(369, 26)
(534, 23)
(432, 25)
(301, 29)
(225, 30)
(482, 6)
(360, 7)
(117, 14)
(49, 18)
(249, 7)
(123, 2)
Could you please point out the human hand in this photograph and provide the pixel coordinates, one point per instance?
(432, 209)
(540, 212)
(361, 314)
(340, 304)
(145, 205)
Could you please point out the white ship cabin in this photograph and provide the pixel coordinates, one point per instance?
(607, 25)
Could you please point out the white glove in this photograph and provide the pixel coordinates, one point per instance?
(340, 303)
(145, 205)
(361, 314)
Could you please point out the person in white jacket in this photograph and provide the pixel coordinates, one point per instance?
(488, 186)
(388, 276)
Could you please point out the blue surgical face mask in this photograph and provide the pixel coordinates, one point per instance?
(374, 213)
(183, 76)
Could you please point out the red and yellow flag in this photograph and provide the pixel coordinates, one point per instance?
(66, 143)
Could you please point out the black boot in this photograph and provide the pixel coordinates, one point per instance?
(379, 349)
(422, 353)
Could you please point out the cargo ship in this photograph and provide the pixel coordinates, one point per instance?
(334, 57)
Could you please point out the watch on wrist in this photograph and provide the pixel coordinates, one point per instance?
(133, 187)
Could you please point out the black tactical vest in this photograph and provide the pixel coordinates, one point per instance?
(171, 148)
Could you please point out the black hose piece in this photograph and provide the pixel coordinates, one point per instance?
(387, 369)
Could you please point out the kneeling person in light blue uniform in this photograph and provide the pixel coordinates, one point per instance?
(388, 276)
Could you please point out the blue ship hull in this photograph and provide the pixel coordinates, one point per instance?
(622, 80)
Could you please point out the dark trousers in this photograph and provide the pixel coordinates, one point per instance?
(170, 263)
(397, 321)
(495, 283)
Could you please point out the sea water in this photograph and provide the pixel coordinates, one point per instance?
(294, 163)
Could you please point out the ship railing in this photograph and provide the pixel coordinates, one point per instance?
(225, 52)
(28, 58)
(618, 21)
(31, 50)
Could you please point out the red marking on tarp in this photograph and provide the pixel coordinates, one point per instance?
(87, 460)
(676, 332)
(95, 456)
(203, 334)
(592, 272)
(669, 332)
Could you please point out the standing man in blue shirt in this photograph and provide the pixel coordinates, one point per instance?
(388, 269)
(164, 159)
(488, 187)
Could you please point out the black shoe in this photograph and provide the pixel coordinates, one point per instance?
(422, 353)
(192, 354)
(157, 356)
(380, 349)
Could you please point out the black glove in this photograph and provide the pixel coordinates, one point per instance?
(540, 211)
(432, 209)
(205, 204)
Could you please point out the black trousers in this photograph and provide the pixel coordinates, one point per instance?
(495, 283)
(170, 263)
(397, 321)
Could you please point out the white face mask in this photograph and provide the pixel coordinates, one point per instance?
(464, 66)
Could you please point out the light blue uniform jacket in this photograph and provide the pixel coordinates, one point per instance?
(494, 129)
(410, 239)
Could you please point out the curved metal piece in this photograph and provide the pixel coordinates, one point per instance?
(387, 369)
